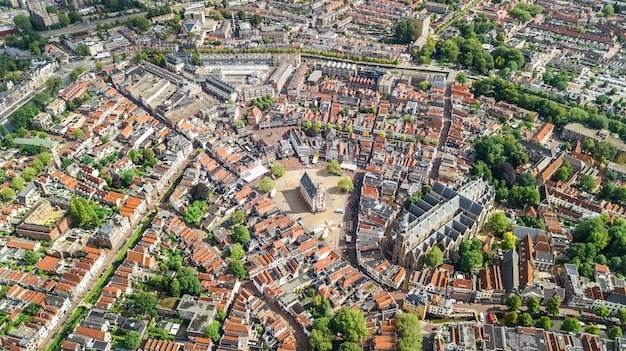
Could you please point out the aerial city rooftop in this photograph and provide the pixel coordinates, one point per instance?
(312, 175)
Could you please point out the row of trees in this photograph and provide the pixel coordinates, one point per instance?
(312, 52)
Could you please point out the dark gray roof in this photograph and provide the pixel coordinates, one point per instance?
(308, 185)
(617, 298)
(510, 270)
(520, 232)
(134, 325)
(537, 148)
(544, 257)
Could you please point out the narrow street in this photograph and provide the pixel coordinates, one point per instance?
(445, 129)
(302, 340)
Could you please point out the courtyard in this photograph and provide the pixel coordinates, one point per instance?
(290, 201)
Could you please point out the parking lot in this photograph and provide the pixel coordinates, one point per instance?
(289, 199)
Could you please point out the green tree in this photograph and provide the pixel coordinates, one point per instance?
(321, 307)
(256, 19)
(587, 182)
(30, 258)
(433, 257)
(135, 156)
(553, 306)
(461, 77)
(607, 11)
(345, 184)
(349, 346)
(82, 213)
(514, 303)
(266, 185)
(193, 213)
(571, 325)
(563, 173)
(29, 174)
(592, 329)
(525, 320)
(533, 305)
(78, 133)
(321, 340)
(80, 69)
(175, 263)
(409, 336)
(471, 260)
(141, 23)
(132, 340)
(333, 167)
(405, 32)
(127, 177)
(614, 332)
(86, 160)
(592, 230)
(510, 318)
(238, 217)
(521, 196)
(350, 323)
(144, 303)
(189, 282)
(508, 241)
(621, 315)
(544, 322)
(602, 311)
(241, 234)
(17, 183)
(22, 22)
(448, 50)
(604, 151)
(212, 331)
(174, 288)
(148, 157)
(526, 179)
(31, 309)
(237, 269)
(236, 251)
(82, 50)
(221, 314)
(7, 194)
(498, 222)
(200, 192)
(278, 169)
(424, 85)
(64, 20)
(74, 17)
